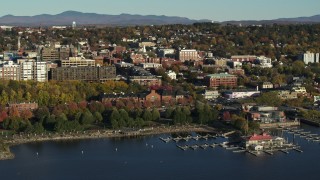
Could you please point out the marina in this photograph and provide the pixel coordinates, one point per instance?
(208, 140)
(106, 156)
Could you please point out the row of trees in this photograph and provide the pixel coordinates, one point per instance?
(53, 93)
(83, 115)
(134, 119)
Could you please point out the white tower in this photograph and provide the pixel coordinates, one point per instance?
(74, 25)
(19, 44)
(144, 49)
(19, 40)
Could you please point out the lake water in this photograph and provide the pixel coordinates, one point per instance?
(150, 158)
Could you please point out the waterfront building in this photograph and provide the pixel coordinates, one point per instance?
(264, 141)
(264, 114)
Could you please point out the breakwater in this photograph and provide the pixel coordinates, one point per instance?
(280, 124)
(310, 122)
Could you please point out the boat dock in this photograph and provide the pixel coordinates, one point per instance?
(298, 150)
(268, 152)
(284, 151)
(187, 138)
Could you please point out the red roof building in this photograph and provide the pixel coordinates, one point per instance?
(260, 142)
(263, 137)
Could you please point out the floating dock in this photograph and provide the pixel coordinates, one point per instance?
(298, 150)
(284, 151)
(268, 152)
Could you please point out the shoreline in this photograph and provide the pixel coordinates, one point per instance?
(6, 154)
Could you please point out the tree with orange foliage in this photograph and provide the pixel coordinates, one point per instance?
(3, 115)
(14, 112)
(26, 114)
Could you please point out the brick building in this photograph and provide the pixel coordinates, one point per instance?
(244, 58)
(146, 80)
(222, 79)
(50, 54)
(188, 54)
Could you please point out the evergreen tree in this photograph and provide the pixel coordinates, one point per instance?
(115, 118)
(155, 114)
(147, 116)
(98, 117)
(86, 118)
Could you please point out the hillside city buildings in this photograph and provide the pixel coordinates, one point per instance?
(139, 60)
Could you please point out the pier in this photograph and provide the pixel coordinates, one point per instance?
(187, 138)
(298, 150)
(284, 151)
(204, 146)
(194, 147)
(268, 152)
(281, 125)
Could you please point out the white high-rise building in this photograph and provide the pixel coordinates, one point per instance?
(33, 70)
(309, 57)
(40, 71)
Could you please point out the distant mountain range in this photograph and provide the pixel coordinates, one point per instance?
(297, 20)
(66, 18)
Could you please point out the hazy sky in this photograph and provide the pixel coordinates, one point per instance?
(217, 10)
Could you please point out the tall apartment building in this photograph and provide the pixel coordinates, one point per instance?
(50, 54)
(10, 71)
(83, 73)
(77, 61)
(222, 79)
(33, 70)
(188, 54)
(309, 57)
